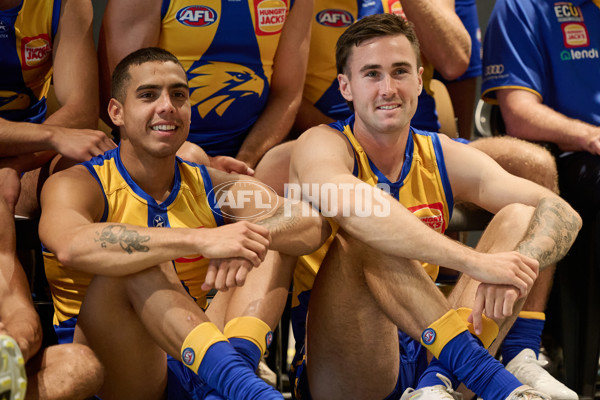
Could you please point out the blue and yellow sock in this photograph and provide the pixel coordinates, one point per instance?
(486, 338)
(459, 352)
(526, 333)
(250, 336)
(207, 352)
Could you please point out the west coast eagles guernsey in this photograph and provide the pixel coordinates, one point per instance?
(423, 188)
(191, 204)
(26, 35)
(227, 49)
(550, 48)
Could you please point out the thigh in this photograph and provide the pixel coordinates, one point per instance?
(135, 367)
(352, 346)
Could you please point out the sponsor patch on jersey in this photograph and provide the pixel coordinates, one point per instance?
(567, 12)
(575, 34)
(35, 51)
(428, 336)
(431, 215)
(270, 16)
(335, 18)
(396, 8)
(188, 356)
(196, 16)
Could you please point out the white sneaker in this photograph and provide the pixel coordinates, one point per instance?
(265, 373)
(13, 379)
(525, 392)
(529, 370)
(437, 392)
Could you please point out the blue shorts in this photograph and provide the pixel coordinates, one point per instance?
(413, 362)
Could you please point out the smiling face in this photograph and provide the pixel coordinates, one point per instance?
(383, 81)
(154, 116)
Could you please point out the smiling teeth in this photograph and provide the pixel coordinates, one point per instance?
(163, 127)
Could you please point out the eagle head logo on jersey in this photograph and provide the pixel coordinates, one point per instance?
(13, 100)
(214, 86)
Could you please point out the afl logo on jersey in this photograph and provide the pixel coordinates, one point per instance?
(335, 18)
(196, 16)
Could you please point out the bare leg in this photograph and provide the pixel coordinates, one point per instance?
(131, 350)
(67, 371)
(358, 302)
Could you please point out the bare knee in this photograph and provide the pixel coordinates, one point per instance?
(523, 159)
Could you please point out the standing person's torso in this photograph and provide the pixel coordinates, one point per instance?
(227, 49)
(26, 36)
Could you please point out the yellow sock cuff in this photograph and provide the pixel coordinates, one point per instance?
(441, 331)
(252, 329)
(197, 343)
(532, 315)
(489, 331)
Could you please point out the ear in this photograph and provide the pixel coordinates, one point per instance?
(344, 83)
(115, 111)
(420, 78)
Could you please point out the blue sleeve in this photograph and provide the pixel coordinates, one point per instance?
(512, 51)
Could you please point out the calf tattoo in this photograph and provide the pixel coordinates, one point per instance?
(551, 232)
(129, 240)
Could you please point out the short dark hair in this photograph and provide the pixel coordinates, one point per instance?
(121, 76)
(373, 26)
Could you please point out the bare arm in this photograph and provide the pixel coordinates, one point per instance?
(294, 227)
(527, 118)
(444, 40)
(289, 70)
(72, 203)
(478, 179)
(127, 25)
(309, 116)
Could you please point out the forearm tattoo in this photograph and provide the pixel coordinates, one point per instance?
(129, 240)
(551, 232)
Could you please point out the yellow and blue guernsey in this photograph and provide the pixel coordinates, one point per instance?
(191, 204)
(331, 18)
(227, 48)
(26, 35)
(423, 188)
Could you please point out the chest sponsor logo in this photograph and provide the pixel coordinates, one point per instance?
(575, 35)
(571, 55)
(431, 215)
(196, 16)
(567, 12)
(215, 86)
(335, 18)
(270, 16)
(35, 51)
